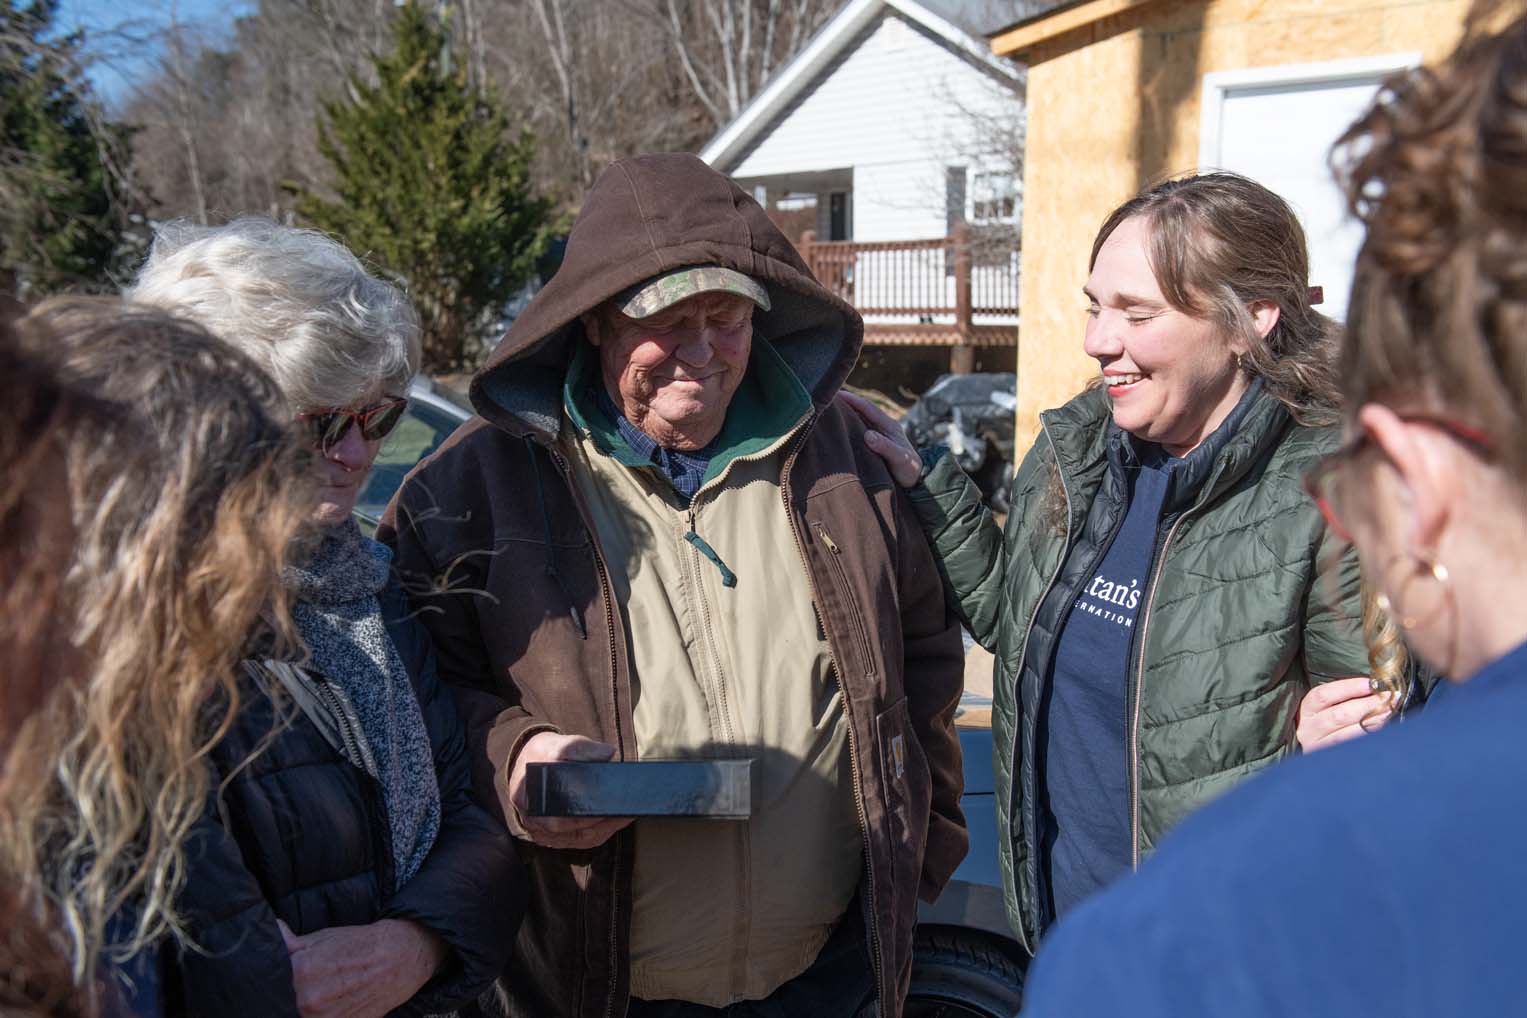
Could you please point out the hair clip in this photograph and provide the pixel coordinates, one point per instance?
(1317, 295)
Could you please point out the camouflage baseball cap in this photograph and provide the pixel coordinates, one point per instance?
(668, 289)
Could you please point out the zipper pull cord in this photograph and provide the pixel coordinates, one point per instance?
(728, 578)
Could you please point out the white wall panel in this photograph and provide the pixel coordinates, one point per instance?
(1277, 125)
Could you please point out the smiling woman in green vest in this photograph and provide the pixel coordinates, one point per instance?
(1165, 597)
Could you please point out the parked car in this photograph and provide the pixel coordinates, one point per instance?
(973, 416)
(966, 963)
(433, 413)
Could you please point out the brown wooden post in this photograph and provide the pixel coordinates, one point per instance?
(807, 239)
(962, 358)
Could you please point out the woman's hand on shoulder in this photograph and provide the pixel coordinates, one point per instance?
(1339, 710)
(886, 440)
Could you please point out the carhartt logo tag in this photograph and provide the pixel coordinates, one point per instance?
(899, 755)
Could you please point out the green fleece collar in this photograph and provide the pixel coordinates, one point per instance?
(768, 404)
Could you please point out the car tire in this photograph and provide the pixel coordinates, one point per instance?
(959, 974)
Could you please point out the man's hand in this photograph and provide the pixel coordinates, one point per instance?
(886, 440)
(1340, 710)
(561, 832)
(361, 971)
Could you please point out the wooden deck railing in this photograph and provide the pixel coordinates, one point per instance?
(923, 292)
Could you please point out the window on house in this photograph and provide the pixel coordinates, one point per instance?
(839, 225)
(796, 201)
(993, 199)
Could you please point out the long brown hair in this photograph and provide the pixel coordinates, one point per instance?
(37, 414)
(1438, 174)
(182, 512)
(38, 417)
(1218, 243)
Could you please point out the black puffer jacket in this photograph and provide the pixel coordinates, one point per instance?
(301, 834)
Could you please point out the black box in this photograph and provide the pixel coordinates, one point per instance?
(719, 789)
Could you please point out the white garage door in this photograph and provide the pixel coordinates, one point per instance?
(1277, 125)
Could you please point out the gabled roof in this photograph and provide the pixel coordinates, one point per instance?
(1047, 21)
(837, 34)
(980, 18)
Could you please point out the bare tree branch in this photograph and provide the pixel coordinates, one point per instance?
(551, 14)
(691, 69)
(175, 40)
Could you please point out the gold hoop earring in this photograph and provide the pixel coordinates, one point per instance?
(1420, 569)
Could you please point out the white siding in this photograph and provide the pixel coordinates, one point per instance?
(891, 108)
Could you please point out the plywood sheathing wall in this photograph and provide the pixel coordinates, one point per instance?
(1114, 106)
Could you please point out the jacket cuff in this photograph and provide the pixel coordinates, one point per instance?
(512, 818)
(930, 457)
(947, 844)
(472, 898)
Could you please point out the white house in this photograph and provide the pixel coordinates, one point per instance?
(893, 126)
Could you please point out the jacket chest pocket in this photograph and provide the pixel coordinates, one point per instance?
(843, 598)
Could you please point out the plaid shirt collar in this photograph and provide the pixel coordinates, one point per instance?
(684, 470)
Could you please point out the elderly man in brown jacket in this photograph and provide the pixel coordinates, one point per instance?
(662, 538)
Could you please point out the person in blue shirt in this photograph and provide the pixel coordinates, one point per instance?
(1386, 876)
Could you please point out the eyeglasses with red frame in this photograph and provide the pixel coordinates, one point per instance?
(329, 427)
(1321, 480)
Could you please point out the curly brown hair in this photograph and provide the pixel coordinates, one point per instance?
(182, 509)
(38, 417)
(1437, 171)
(1389, 661)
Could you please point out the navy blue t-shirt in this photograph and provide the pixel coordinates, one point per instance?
(1381, 877)
(1086, 792)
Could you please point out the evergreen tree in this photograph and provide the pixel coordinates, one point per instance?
(59, 226)
(431, 184)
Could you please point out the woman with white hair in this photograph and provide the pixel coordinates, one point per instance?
(350, 872)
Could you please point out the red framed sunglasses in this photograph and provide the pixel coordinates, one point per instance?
(1322, 482)
(329, 427)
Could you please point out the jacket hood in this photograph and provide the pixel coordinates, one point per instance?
(650, 215)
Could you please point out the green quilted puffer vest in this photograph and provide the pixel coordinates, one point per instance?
(1249, 602)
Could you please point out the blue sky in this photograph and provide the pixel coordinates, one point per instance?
(119, 33)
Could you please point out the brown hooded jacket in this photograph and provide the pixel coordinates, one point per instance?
(507, 573)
